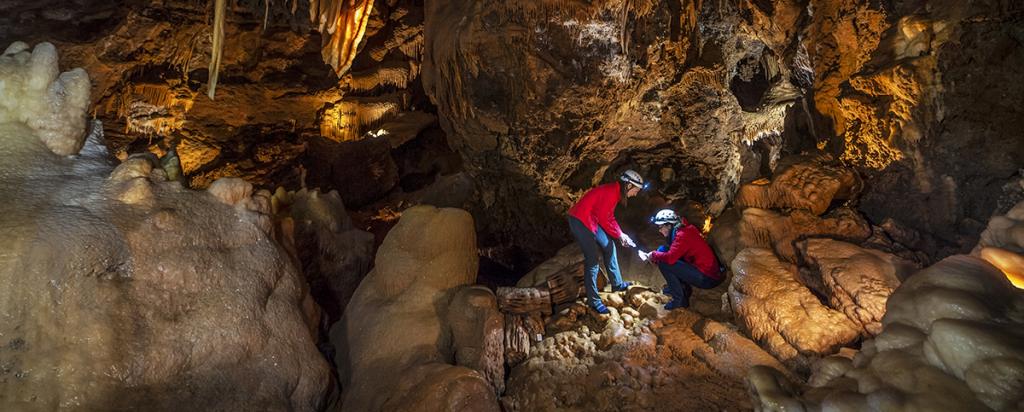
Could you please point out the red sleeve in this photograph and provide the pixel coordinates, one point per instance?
(604, 213)
(675, 251)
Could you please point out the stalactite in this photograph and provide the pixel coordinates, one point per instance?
(219, 12)
(266, 13)
(347, 119)
(150, 109)
(393, 74)
(342, 24)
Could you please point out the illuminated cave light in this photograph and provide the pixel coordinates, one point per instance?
(707, 225)
(1011, 264)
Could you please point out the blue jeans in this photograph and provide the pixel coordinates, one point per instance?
(589, 243)
(681, 276)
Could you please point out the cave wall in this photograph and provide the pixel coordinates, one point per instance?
(921, 97)
(545, 99)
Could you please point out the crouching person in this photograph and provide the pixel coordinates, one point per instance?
(686, 261)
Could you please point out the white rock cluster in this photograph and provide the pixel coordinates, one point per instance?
(35, 93)
(123, 290)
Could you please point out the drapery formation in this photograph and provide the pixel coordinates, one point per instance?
(341, 24)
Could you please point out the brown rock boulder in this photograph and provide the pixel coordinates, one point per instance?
(781, 314)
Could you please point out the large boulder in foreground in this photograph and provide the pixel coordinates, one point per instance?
(395, 350)
(125, 291)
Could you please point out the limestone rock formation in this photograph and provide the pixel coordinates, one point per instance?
(855, 280)
(477, 334)
(636, 357)
(780, 313)
(395, 348)
(778, 231)
(37, 95)
(333, 254)
(919, 96)
(810, 184)
(1002, 244)
(950, 341)
(123, 290)
(545, 99)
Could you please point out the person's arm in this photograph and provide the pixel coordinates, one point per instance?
(605, 213)
(674, 253)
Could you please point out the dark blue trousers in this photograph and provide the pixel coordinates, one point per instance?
(682, 277)
(591, 243)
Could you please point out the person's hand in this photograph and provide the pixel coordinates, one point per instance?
(644, 256)
(647, 258)
(626, 241)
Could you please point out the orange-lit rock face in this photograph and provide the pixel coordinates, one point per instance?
(151, 109)
(1002, 244)
(341, 24)
(806, 183)
(781, 314)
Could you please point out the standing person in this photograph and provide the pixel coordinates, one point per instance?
(592, 222)
(686, 261)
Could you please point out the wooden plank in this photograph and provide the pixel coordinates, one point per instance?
(524, 300)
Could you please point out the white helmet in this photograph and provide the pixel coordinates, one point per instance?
(632, 177)
(665, 217)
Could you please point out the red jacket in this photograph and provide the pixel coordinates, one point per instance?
(597, 207)
(689, 245)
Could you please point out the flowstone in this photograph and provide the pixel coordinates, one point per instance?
(951, 340)
(125, 291)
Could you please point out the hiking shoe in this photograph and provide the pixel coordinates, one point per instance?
(622, 287)
(676, 304)
(664, 290)
(599, 308)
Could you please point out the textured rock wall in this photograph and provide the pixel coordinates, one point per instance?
(124, 290)
(950, 340)
(701, 96)
(919, 95)
(550, 98)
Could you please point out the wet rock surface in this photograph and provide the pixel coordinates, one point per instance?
(857, 281)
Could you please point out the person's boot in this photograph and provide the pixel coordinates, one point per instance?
(599, 307)
(674, 304)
